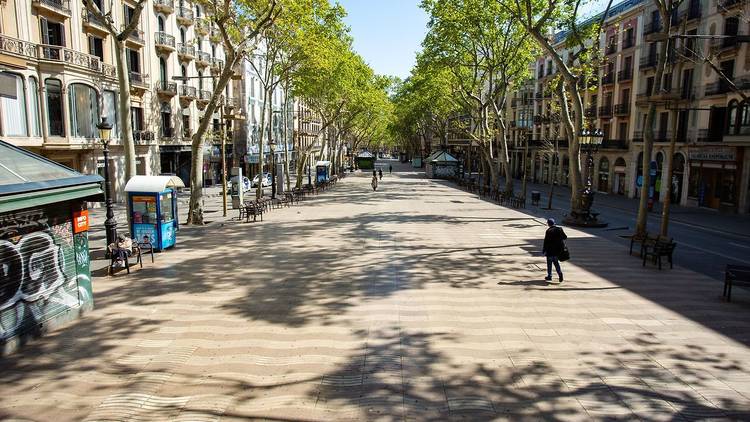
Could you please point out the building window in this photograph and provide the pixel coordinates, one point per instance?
(200, 80)
(166, 120)
(36, 125)
(13, 102)
(160, 23)
(110, 111)
(186, 126)
(55, 107)
(732, 118)
(744, 111)
(84, 110)
(96, 47)
(53, 33)
(163, 73)
(136, 118)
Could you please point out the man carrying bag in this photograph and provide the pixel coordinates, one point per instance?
(554, 249)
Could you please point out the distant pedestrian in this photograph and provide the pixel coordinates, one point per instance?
(554, 248)
(390, 168)
(380, 173)
(374, 183)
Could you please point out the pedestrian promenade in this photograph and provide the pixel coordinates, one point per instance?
(416, 302)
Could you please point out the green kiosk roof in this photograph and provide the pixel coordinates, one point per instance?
(30, 180)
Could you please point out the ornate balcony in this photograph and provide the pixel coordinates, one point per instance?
(728, 6)
(185, 15)
(68, 57)
(188, 92)
(165, 6)
(18, 47)
(136, 38)
(91, 23)
(186, 51)
(164, 41)
(605, 111)
(54, 7)
(725, 46)
(717, 88)
(611, 48)
(215, 35)
(202, 59)
(216, 64)
(649, 61)
(201, 27)
(204, 97)
(590, 112)
(166, 89)
(615, 144)
(622, 109)
(138, 83)
(625, 75)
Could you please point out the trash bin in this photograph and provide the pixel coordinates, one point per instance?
(536, 196)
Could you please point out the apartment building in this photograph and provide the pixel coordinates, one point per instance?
(251, 95)
(58, 79)
(709, 121)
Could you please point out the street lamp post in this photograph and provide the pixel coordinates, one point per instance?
(110, 224)
(272, 146)
(590, 141)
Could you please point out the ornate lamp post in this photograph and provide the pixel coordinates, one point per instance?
(272, 146)
(590, 141)
(110, 224)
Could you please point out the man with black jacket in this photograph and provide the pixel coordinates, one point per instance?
(553, 246)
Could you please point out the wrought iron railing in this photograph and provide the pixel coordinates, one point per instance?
(162, 38)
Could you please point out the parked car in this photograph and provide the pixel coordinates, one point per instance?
(266, 180)
(245, 183)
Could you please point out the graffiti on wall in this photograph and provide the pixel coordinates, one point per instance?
(38, 277)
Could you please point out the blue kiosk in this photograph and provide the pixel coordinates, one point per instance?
(152, 202)
(322, 171)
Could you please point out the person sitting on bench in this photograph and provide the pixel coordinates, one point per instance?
(121, 249)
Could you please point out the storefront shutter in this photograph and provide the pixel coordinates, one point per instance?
(38, 280)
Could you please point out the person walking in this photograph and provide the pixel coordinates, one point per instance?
(390, 168)
(554, 246)
(380, 173)
(374, 183)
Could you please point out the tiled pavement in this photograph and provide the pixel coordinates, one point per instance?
(417, 302)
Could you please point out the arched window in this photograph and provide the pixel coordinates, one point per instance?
(36, 121)
(14, 109)
(213, 50)
(744, 118)
(54, 107)
(160, 23)
(200, 80)
(199, 41)
(84, 110)
(197, 11)
(183, 69)
(732, 123)
(182, 36)
(163, 72)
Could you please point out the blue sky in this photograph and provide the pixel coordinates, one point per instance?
(389, 33)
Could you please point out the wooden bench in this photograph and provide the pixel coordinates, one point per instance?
(253, 209)
(735, 275)
(659, 249)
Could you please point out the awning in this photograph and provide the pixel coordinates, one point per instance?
(30, 180)
(153, 184)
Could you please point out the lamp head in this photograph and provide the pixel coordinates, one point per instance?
(105, 128)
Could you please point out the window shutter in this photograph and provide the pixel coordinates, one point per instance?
(62, 35)
(45, 30)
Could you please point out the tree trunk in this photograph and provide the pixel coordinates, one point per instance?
(666, 183)
(525, 167)
(195, 212)
(126, 130)
(261, 150)
(641, 223)
(286, 136)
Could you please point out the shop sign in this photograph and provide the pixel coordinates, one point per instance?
(80, 221)
(713, 154)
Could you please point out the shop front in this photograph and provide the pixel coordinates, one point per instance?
(714, 177)
(618, 184)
